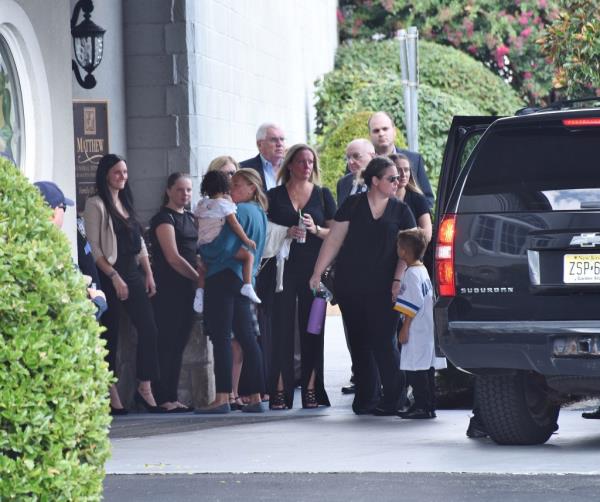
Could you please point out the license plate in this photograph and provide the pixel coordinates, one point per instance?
(581, 268)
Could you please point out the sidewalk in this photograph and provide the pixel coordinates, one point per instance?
(335, 440)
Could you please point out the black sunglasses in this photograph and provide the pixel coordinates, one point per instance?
(391, 179)
(63, 207)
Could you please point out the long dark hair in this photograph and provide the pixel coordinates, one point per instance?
(171, 180)
(102, 190)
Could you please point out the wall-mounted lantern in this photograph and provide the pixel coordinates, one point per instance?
(88, 43)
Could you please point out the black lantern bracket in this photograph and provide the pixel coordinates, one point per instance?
(88, 43)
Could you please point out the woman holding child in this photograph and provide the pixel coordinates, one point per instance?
(367, 282)
(226, 308)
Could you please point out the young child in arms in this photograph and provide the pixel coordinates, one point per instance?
(213, 211)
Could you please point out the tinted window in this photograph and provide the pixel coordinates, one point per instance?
(545, 169)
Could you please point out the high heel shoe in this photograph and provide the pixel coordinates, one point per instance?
(149, 408)
(309, 399)
(118, 411)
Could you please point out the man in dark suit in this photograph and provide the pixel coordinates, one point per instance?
(383, 135)
(359, 153)
(270, 140)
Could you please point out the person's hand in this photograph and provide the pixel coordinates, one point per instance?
(94, 293)
(395, 290)
(250, 243)
(314, 282)
(150, 285)
(296, 232)
(120, 287)
(403, 336)
(309, 223)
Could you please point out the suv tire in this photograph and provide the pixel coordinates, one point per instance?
(516, 408)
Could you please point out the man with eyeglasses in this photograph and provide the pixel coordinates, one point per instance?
(359, 153)
(383, 136)
(270, 140)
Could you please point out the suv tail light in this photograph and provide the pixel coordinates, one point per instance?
(444, 256)
(584, 122)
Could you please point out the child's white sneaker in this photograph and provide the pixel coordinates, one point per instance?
(199, 301)
(248, 290)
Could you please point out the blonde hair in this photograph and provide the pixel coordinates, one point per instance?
(412, 184)
(218, 162)
(284, 171)
(252, 177)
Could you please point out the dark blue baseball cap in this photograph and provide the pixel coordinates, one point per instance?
(54, 196)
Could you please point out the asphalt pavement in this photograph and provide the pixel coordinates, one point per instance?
(334, 455)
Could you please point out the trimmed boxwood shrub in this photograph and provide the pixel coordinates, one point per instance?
(367, 77)
(331, 155)
(362, 63)
(53, 378)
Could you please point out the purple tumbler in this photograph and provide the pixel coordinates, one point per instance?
(316, 319)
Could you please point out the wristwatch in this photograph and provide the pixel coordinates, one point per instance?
(317, 229)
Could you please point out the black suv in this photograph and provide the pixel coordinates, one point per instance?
(517, 259)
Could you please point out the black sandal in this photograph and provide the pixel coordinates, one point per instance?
(277, 401)
(309, 399)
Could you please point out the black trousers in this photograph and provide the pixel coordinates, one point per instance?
(140, 311)
(225, 309)
(174, 314)
(265, 288)
(296, 294)
(371, 326)
(423, 385)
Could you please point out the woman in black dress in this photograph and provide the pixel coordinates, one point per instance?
(299, 197)
(410, 193)
(173, 235)
(367, 281)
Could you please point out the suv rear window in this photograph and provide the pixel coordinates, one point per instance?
(549, 168)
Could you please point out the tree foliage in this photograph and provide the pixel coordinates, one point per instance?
(572, 41)
(367, 78)
(54, 381)
(500, 33)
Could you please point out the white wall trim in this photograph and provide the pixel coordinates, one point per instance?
(38, 135)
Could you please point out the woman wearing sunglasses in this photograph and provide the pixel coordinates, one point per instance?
(367, 281)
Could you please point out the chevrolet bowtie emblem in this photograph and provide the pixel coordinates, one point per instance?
(586, 240)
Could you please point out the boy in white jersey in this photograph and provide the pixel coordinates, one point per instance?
(415, 302)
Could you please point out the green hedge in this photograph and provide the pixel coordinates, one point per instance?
(53, 380)
(367, 77)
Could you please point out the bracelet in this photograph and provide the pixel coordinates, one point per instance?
(396, 280)
(317, 230)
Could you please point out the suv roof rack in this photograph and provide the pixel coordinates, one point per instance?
(558, 105)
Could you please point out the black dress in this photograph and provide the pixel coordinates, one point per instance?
(417, 203)
(365, 268)
(173, 302)
(296, 297)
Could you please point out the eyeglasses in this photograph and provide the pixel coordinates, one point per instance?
(353, 156)
(392, 179)
(63, 207)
